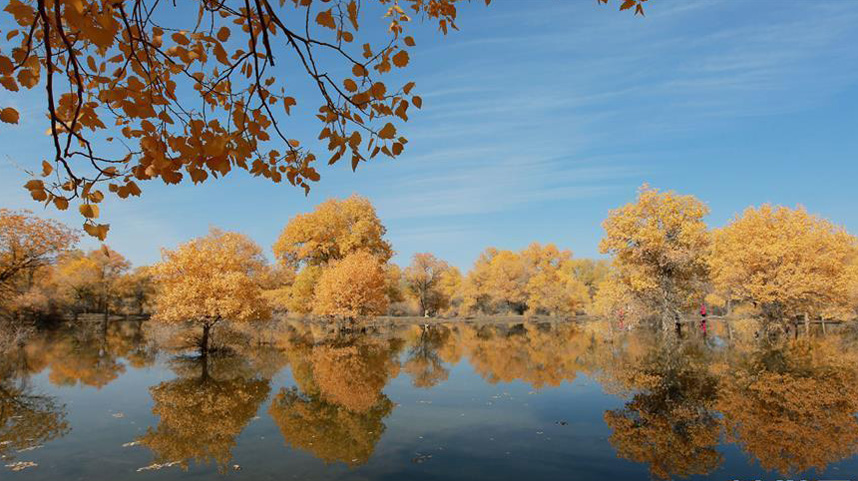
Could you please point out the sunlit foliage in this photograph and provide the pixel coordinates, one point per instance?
(423, 279)
(450, 286)
(136, 290)
(28, 244)
(659, 244)
(93, 281)
(591, 272)
(551, 286)
(786, 262)
(536, 280)
(140, 90)
(210, 279)
(352, 288)
(297, 297)
(335, 229)
(130, 72)
(614, 300)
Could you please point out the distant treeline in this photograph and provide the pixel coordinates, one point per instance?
(775, 263)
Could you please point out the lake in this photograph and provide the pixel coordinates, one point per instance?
(458, 400)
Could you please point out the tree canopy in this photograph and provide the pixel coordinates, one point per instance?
(209, 279)
(785, 261)
(335, 229)
(659, 244)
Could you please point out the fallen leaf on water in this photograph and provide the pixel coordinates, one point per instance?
(156, 466)
(21, 465)
(30, 448)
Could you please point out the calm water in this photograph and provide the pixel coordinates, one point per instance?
(458, 401)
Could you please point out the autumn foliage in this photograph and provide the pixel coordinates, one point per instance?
(335, 229)
(209, 279)
(424, 277)
(786, 262)
(137, 90)
(123, 72)
(351, 288)
(536, 280)
(659, 245)
(28, 243)
(335, 262)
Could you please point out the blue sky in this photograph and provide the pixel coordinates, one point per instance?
(541, 115)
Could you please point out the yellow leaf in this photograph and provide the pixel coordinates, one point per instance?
(97, 230)
(46, 168)
(288, 102)
(61, 203)
(325, 19)
(378, 90)
(90, 211)
(387, 132)
(353, 13)
(6, 65)
(35, 185)
(359, 71)
(77, 4)
(180, 38)
(223, 34)
(400, 59)
(9, 115)
(350, 85)
(27, 78)
(409, 41)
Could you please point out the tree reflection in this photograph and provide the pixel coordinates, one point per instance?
(89, 354)
(669, 424)
(204, 410)
(331, 433)
(27, 419)
(424, 363)
(792, 405)
(337, 411)
(538, 354)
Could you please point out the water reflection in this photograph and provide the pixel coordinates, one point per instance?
(424, 362)
(202, 412)
(790, 404)
(27, 419)
(337, 409)
(670, 423)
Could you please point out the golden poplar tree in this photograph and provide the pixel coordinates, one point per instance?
(423, 278)
(785, 261)
(210, 279)
(352, 288)
(659, 244)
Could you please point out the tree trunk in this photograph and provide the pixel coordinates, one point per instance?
(806, 324)
(204, 342)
